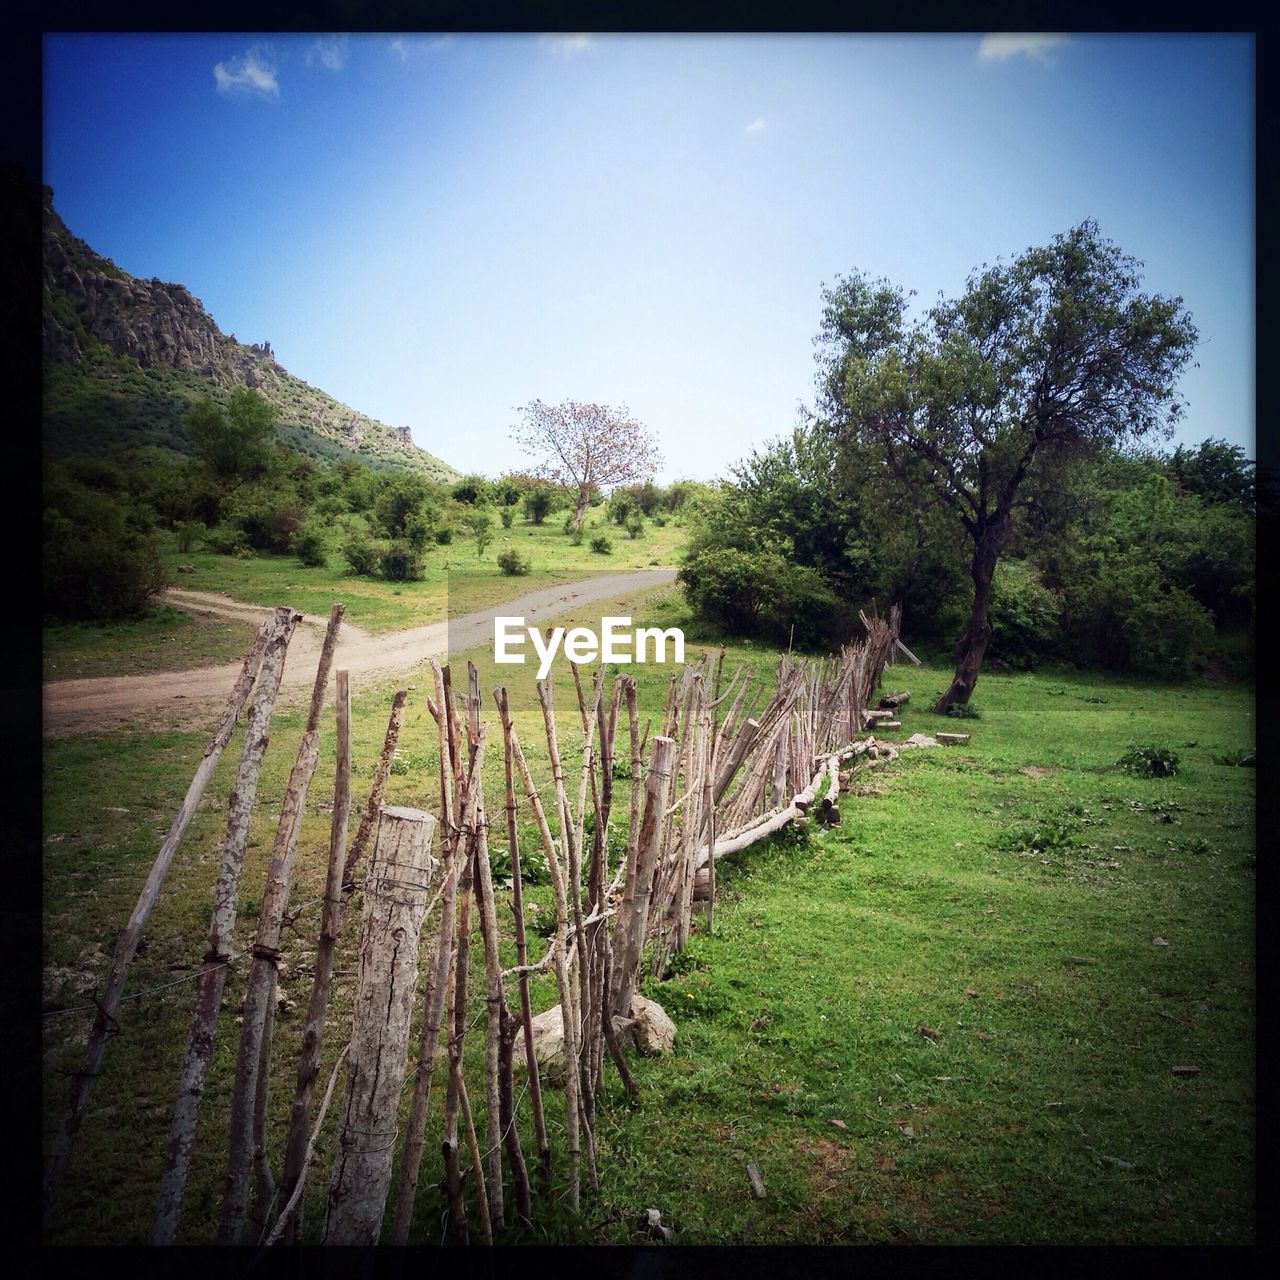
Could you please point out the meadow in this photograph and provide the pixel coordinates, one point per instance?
(953, 1018)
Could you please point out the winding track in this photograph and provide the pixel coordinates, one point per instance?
(175, 699)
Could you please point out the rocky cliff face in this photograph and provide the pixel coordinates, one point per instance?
(161, 325)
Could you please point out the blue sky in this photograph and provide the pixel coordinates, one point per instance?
(437, 230)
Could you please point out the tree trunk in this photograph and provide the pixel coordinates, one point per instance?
(977, 635)
(580, 510)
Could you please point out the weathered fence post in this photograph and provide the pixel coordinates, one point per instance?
(634, 913)
(226, 896)
(395, 905)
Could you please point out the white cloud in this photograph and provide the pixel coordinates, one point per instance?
(1037, 45)
(403, 47)
(755, 126)
(255, 73)
(329, 52)
(568, 44)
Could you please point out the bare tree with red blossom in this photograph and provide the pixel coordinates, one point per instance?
(585, 446)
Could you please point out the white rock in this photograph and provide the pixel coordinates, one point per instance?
(654, 1030)
(920, 740)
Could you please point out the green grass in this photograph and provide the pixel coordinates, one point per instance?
(165, 640)
(1042, 1111)
(455, 578)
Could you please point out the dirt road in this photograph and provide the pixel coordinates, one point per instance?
(179, 699)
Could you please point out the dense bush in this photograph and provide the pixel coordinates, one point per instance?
(401, 562)
(1026, 618)
(471, 490)
(602, 545)
(361, 554)
(538, 504)
(762, 593)
(100, 556)
(310, 547)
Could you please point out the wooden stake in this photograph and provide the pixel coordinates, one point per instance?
(365, 829)
(213, 976)
(260, 987)
(296, 1146)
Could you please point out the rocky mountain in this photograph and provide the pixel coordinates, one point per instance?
(125, 357)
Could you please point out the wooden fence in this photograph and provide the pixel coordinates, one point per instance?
(730, 762)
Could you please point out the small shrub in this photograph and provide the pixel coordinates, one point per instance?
(480, 526)
(1149, 761)
(508, 517)
(635, 525)
(444, 535)
(1246, 759)
(512, 563)
(1043, 836)
(537, 504)
(601, 545)
(964, 711)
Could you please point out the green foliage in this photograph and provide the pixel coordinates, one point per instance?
(762, 593)
(512, 563)
(310, 546)
(361, 554)
(1149, 761)
(471, 490)
(400, 562)
(1045, 835)
(233, 440)
(1246, 758)
(444, 535)
(539, 503)
(602, 545)
(508, 517)
(964, 711)
(225, 539)
(1026, 618)
(635, 525)
(100, 558)
(480, 526)
(400, 499)
(1216, 472)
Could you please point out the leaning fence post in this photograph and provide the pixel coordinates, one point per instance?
(127, 944)
(226, 895)
(395, 905)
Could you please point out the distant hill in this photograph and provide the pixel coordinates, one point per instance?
(124, 358)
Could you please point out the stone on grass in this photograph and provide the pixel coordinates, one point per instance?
(655, 1033)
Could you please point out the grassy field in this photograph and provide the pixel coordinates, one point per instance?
(456, 579)
(1006, 896)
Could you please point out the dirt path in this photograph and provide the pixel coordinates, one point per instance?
(180, 699)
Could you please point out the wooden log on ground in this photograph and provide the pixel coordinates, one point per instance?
(892, 701)
(396, 892)
(131, 935)
(951, 739)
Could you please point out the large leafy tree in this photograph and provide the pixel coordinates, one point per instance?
(586, 446)
(233, 440)
(1057, 352)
